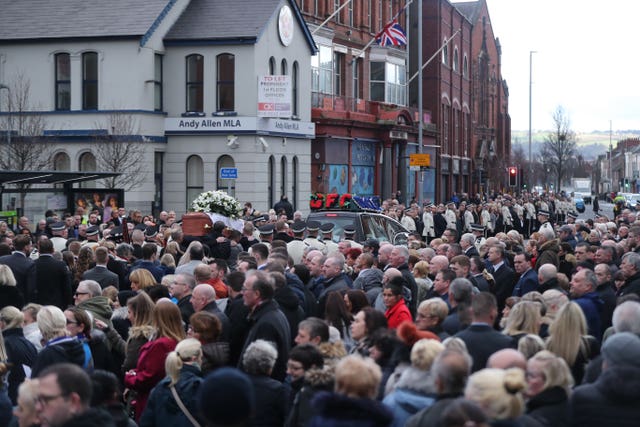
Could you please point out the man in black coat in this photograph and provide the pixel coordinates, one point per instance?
(53, 278)
(284, 206)
(22, 267)
(237, 313)
(398, 259)
(181, 289)
(100, 273)
(613, 399)
(480, 337)
(203, 298)
(266, 320)
(503, 275)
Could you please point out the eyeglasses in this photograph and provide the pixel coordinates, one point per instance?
(43, 399)
(80, 293)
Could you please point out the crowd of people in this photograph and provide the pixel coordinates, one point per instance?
(500, 310)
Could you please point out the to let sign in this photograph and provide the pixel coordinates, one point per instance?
(228, 173)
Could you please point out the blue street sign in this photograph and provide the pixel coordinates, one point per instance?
(228, 173)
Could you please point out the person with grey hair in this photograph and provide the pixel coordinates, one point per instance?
(460, 295)
(548, 278)
(583, 292)
(626, 318)
(449, 371)
(334, 280)
(271, 396)
(611, 400)
(630, 267)
(89, 297)
(548, 249)
(467, 243)
(399, 258)
(181, 289)
(267, 321)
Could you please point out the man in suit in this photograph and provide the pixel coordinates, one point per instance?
(100, 273)
(467, 243)
(480, 337)
(503, 275)
(528, 280)
(22, 266)
(53, 278)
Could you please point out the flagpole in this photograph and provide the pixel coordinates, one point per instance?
(420, 106)
(330, 17)
(434, 55)
(368, 45)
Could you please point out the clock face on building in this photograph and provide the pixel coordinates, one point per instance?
(285, 25)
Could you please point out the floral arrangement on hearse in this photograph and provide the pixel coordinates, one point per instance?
(217, 202)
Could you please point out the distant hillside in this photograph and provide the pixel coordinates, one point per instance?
(591, 144)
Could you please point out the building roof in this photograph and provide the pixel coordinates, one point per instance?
(55, 19)
(469, 9)
(225, 20)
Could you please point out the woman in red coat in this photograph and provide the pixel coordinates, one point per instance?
(150, 368)
(397, 311)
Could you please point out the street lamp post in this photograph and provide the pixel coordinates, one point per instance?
(531, 52)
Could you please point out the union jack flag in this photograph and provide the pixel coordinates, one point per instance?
(392, 35)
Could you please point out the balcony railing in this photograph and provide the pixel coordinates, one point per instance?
(337, 103)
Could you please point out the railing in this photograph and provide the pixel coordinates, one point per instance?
(330, 102)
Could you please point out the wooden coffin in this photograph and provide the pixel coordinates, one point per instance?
(196, 224)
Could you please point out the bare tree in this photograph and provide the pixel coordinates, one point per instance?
(25, 149)
(121, 152)
(559, 146)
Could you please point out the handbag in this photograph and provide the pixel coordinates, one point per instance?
(183, 408)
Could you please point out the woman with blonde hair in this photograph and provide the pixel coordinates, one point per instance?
(140, 279)
(181, 384)
(59, 347)
(9, 293)
(549, 385)
(498, 392)
(524, 318)
(149, 371)
(568, 339)
(25, 411)
(530, 344)
(421, 275)
(415, 388)
(353, 401)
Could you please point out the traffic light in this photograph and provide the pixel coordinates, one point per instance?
(513, 176)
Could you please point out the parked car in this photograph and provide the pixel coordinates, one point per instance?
(579, 203)
(368, 225)
(631, 200)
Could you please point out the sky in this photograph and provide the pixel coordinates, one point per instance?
(586, 61)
